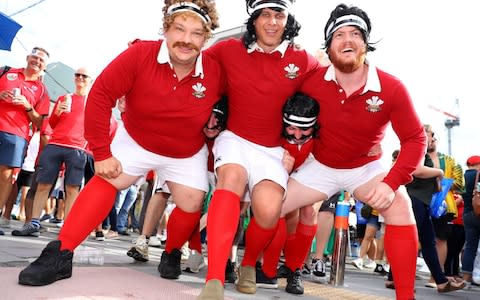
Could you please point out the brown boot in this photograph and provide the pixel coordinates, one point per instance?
(246, 280)
(213, 290)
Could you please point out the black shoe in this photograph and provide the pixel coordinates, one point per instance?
(294, 283)
(265, 282)
(283, 271)
(306, 270)
(380, 269)
(125, 233)
(50, 266)
(230, 272)
(169, 266)
(55, 220)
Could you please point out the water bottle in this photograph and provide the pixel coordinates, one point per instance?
(88, 255)
(355, 249)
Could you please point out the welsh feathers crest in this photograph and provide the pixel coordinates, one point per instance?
(198, 90)
(373, 104)
(292, 71)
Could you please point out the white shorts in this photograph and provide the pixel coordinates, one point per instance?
(260, 162)
(137, 161)
(330, 181)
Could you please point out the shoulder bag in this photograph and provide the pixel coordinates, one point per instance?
(476, 197)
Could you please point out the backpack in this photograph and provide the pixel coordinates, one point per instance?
(4, 70)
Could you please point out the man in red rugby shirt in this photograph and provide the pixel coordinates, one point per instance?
(358, 102)
(262, 70)
(170, 90)
(17, 112)
(66, 146)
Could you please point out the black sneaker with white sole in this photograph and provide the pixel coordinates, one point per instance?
(263, 281)
(318, 266)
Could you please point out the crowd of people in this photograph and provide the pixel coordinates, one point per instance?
(251, 128)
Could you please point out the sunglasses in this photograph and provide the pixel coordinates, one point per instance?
(81, 75)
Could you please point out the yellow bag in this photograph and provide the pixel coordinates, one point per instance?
(454, 171)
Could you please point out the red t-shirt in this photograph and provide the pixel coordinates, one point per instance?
(258, 84)
(351, 126)
(68, 127)
(163, 115)
(13, 118)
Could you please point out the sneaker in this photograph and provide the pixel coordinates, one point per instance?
(380, 269)
(213, 290)
(124, 232)
(1, 232)
(28, 229)
(283, 271)
(163, 236)
(45, 217)
(55, 220)
(59, 224)
(246, 280)
(306, 270)
(230, 272)
(154, 241)
(265, 282)
(318, 266)
(99, 236)
(5, 223)
(169, 266)
(358, 263)
(369, 264)
(139, 252)
(185, 252)
(294, 283)
(50, 266)
(111, 235)
(195, 262)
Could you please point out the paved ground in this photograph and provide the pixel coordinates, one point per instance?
(122, 278)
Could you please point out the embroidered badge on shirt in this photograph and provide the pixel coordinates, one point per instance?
(292, 71)
(373, 105)
(198, 90)
(12, 76)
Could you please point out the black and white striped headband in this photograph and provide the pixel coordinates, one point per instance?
(259, 4)
(302, 122)
(189, 6)
(347, 20)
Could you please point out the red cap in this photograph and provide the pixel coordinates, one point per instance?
(473, 160)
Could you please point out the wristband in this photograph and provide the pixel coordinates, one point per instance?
(29, 110)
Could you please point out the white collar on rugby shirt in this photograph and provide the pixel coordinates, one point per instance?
(282, 48)
(163, 57)
(373, 82)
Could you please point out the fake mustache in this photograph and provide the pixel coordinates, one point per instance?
(186, 45)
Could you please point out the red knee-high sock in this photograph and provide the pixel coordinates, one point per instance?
(194, 242)
(271, 254)
(222, 222)
(180, 227)
(303, 241)
(256, 240)
(289, 248)
(90, 208)
(401, 246)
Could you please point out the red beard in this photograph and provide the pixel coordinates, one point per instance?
(347, 65)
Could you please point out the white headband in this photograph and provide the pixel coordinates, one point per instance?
(191, 7)
(259, 4)
(347, 20)
(302, 122)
